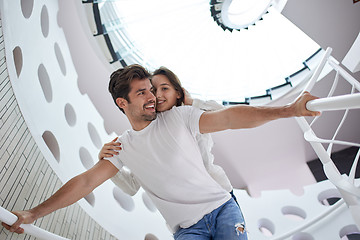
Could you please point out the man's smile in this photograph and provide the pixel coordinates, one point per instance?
(150, 106)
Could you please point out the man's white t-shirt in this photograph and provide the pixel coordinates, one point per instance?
(206, 143)
(165, 159)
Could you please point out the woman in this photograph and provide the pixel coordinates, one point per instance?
(169, 93)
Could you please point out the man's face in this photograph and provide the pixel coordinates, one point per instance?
(141, 105)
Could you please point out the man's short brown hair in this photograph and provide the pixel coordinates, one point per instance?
(120, 80)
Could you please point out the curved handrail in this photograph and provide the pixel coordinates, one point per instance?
(310, 223)
(350, 193)
(348, 101)
(318, 70)
(9, 218)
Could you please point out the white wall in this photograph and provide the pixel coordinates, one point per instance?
(26, 178)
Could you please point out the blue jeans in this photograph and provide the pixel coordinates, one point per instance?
(224, 223)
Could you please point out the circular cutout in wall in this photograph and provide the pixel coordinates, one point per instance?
(266, 227)
(70, 115)
(124, 200)
(329, 197)
(95, 138)
(148, 203)
(90, 199)
(18, 60)
(44, 21)
(27, 7)
(45, 83)
(86, 159)
(294, 213)
(60, 58)
(52, 144)
(150, 236)
(349, 232)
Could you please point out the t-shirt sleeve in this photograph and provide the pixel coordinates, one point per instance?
(115, 160)
(192, 115)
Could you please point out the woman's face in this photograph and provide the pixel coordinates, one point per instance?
(165, 93)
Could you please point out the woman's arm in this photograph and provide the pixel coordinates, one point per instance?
(208, 105)
(110, 149)
(123, 179)
(126, 181)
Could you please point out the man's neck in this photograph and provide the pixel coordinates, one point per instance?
(138, 126)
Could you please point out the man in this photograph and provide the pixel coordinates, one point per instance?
(162, 153)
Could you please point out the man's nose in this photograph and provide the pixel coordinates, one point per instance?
(151, 95)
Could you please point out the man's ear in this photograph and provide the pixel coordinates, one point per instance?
(121, 102)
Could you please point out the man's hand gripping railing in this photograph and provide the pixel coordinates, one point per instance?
(9, 218)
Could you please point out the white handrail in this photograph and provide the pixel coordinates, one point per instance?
(9, 218)
(349, 101)
(333, 63)
(318, 70)
(349, 192)
(338, 205)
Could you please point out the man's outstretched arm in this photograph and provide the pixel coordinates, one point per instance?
(244, 116)
(72, 191)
